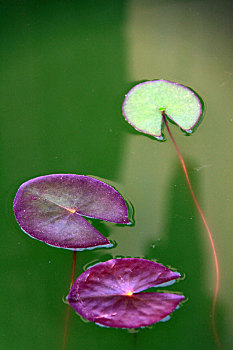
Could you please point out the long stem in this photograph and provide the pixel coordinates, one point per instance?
(68, 306)
(207, 229)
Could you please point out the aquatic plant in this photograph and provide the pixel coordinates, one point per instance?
(111, 293)
(55, 209)
(147, 107)
(147, 104)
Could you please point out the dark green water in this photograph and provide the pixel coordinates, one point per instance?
(65, 67)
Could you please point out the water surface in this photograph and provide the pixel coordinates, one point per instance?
(65, 67)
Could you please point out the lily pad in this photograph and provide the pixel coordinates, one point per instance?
(144, 104)
(52, 208)
(110, 293)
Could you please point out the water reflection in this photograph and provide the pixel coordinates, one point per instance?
(183, 246)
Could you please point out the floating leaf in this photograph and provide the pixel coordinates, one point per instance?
(144, 104)
(51, 208)
(109, 293)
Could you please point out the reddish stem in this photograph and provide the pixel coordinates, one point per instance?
(68, 306)
(73, 268)
(207, 229)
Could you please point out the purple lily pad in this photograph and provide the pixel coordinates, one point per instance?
(109, 293)
(51, 208)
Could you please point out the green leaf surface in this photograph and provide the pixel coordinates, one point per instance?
(144, 104)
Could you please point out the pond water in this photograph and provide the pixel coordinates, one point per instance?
(65, 68)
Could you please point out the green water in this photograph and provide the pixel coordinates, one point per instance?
(65, 67)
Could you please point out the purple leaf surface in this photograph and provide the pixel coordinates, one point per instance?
(51, 208)
(109, 293)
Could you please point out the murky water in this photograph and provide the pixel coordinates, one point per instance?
(65, 68)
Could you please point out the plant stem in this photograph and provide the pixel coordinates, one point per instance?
(207, 229)
(68, 306)
(73, 268)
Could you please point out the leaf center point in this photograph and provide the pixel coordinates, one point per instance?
(72, 211)
(162, 109)
(129, 293)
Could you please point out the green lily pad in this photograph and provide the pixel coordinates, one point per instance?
(145, 103)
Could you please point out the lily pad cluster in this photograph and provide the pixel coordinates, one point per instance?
(57, 209)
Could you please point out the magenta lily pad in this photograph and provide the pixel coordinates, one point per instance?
(52, 208)
(110, 293)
